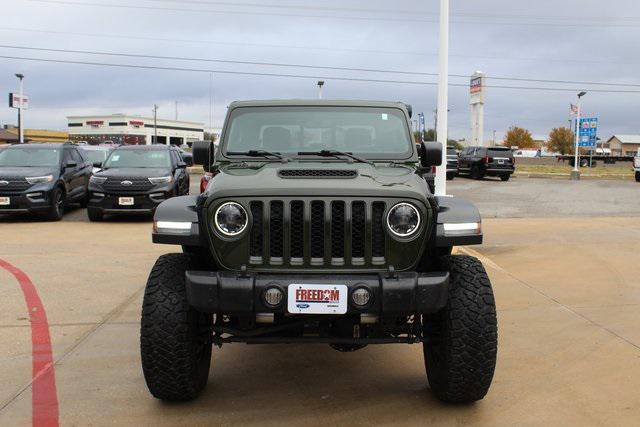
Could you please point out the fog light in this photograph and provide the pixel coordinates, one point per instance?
(361, 296)
(273, 296)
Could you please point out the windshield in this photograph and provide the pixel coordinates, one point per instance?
(96, 156)
(380, 133)
(30, 157)
(138, 159)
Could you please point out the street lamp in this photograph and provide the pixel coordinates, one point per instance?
(320, 84)
(20, 127)
(575, 173)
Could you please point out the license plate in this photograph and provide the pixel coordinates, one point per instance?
(5, 201)
(317, 299)
(125, 201)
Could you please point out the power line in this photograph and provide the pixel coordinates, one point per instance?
(301, 76)
(361, 18)
(323, 48)
(306, 66)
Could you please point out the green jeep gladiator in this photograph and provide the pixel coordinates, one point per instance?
(318, 227)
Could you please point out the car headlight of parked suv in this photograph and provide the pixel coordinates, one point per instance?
(161, 180)
(231, 219)
(39, 179)
(403, 219)
(97, 179)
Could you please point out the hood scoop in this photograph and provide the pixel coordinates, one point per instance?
(317, 173)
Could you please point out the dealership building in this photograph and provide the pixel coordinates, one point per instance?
(124, 129)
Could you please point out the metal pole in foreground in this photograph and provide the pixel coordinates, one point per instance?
(575, 173)
(155, 123)
(20, 124)
(443, 97)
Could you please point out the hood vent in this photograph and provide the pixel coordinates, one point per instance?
(317, 173)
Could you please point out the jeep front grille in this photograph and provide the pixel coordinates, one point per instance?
(317, 233)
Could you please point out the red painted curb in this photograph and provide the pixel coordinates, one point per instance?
(44, 397)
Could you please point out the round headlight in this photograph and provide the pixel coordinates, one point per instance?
(403, 219)
(231, 219)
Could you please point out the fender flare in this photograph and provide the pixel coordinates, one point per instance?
(176, 222)
(458, 223)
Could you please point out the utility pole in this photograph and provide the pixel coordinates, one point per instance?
(155, 123)
(494, 138)
(320, 84)
(575, 173)
(20, 124)
(176, 110)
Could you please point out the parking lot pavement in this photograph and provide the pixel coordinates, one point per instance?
(533, 197)
(566, 289)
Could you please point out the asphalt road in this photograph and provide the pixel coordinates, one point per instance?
(569, 332)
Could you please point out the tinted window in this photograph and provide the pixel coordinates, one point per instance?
(30, 156)
(451, 152)
(499, 153)
(370, 132)
(138, 159)
(76, 157)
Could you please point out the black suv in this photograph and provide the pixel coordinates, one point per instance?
(479, 162)
(452, 163)
(42, 178)
(318, 227)
(136, 179)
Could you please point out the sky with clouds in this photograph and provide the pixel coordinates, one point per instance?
(567, 40)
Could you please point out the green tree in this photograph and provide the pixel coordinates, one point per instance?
(519, 137)
(210, 136)
(561, 140)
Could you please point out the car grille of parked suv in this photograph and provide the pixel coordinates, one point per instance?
(127, 185)
(338, 232)
(13, 184)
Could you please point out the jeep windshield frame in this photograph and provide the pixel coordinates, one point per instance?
(374, 133)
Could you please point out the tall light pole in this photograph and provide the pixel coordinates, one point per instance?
(155, 123)
(320, 84)
(20, 125)
(443, 97)
(575, 173)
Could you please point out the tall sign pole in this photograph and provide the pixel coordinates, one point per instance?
(20, 105)
(575, 173)
(155, 123)
(477, 108)
(443, 98)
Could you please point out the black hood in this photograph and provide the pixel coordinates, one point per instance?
(134, 172)
(25, 172)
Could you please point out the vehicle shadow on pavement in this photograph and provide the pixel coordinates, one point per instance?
(71, 210)
(290, 383)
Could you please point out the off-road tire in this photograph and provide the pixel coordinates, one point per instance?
(505, 178)
(637, 176)
(461, 341)
(476, 173)
(56, 210)
(451, 176)
(174, 341)
(94, 214)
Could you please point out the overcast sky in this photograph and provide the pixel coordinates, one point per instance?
(572, 40)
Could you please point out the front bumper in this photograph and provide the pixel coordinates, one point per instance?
(242, 294)
(109, 203)
(26, 202)
(497, 171)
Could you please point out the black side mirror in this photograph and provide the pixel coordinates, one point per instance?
(203, 154)
(182, 165)
(97, 165)
(430, 154)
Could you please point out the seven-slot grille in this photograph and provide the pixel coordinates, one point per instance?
(137, 184)
(14, 184)
(317, 233)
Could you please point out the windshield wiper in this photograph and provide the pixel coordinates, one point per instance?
(258, 153)
(335, 153)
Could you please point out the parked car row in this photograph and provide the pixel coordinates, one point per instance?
(478, 162)
(44, 178)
